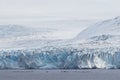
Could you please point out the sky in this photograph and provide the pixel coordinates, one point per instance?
(13, 11)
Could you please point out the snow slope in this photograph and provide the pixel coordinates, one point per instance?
(107, 28)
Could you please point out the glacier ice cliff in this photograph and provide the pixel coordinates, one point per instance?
(60, 58)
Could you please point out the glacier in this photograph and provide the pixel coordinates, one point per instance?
(95, 47)
(61, 58)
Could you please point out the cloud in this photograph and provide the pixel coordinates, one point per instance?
(83, 9)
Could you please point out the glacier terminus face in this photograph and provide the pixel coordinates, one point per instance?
(60, 58)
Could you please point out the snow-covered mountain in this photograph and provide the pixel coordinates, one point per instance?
(102, 30)
(60, 28)
(17, 31)
(14, 36)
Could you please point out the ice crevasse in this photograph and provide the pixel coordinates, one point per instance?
(60, 58)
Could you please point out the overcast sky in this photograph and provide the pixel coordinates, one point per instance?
(20, 10)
